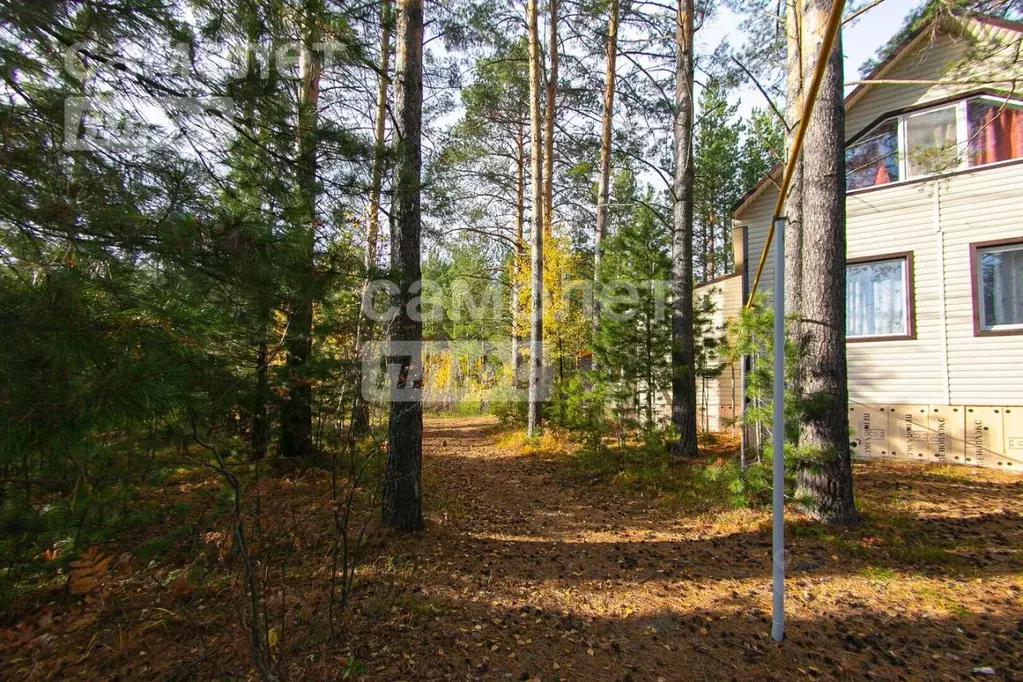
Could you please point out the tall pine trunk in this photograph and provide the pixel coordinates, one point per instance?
(379, 128)
(794, 83)
(519, 252)
(550, 112)
(402, 489)
(536, 226)
(360, 409)
(824, 473)
(297, 411)
(683, 360)
(604, 177)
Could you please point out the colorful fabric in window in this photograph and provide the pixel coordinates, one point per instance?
(996, 132)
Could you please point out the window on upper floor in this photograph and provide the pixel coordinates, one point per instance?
(878, 298)
(875, 159)
(998, 286)
(965, 134)
(996, 130)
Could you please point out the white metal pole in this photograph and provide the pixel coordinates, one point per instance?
(778, 437)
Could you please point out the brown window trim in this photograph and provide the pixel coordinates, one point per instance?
(910, 334)
(975, 248)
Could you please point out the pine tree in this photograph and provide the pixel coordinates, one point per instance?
(403, 491)
(718, 161)
(635, 334)
(537, 225)
(824, 477)
(604, 174)
(683, 378)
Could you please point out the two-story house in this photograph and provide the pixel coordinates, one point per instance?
(934, 154)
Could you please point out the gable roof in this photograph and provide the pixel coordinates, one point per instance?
(902, 49)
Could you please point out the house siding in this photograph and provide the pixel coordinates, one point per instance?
(965, 59)
(720, 397)
(975, 206)
(946, 394)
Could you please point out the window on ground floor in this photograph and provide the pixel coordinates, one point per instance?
(878, 298)
(998, 286)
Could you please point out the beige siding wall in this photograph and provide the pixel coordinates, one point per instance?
(965, 59)
(720, 396)
(757, 218)
(933, 57)
(945, 364)
(887, 221)
(975, 206)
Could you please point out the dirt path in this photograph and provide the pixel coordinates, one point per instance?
(527, 573)
(529, 570)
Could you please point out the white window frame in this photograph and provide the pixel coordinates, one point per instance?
(962, 138)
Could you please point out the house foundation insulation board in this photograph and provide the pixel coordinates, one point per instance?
(946, 436)
(870, 439)
(907, 426)
(985, 437)
(1012, 443)
(939, 434)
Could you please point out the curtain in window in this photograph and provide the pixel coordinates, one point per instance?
(1002, 278)
(876, 299)
(996, 132)
(875, 159)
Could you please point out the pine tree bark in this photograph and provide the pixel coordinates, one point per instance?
(550, 111)
(519, 253)
(536, 226)
(824, 476)
(604, 177)
(794, 77)
(379, 129)
(683, 361)
(402, 486)
(297, 411)
(360, 408)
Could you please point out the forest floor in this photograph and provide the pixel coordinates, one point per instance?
(531, 569)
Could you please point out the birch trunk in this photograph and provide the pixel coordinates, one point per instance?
(683, 378)
(824, 477)
(536, 226)
(402, 486)
(604, 178)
